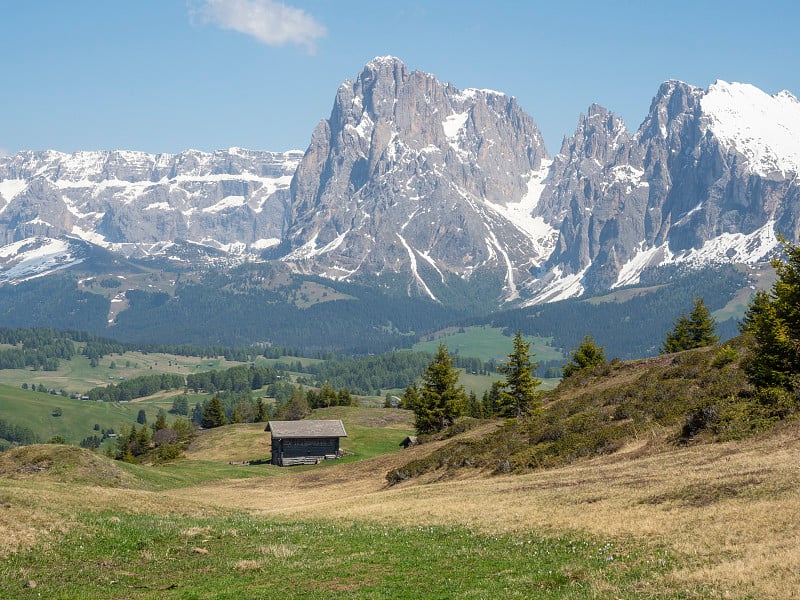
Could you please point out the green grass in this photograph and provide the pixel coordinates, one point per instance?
(597, 411)
(366, 442)
(34, 410)
(370, 431)
(186, 473)
(116, 555)
(487, 343)
(76, 375)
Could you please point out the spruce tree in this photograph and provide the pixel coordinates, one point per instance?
(519, 395)
(296, 408)
(161, 420)
(702, 326)
(773, 323)
(439, 400)
(262, 412)
(696, 330)
(214, 414)
(587, 355)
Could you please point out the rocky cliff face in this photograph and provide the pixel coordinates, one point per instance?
(415, 177)
(431, 188)
(131, 201)
(409, 171)
(709, 177)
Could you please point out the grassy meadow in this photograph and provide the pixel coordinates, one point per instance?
(76, 375)
(35, 410)
(486, 343)
(658, 517)
(652, 521)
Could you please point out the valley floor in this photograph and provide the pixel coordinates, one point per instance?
(725, 514)
(730, 510)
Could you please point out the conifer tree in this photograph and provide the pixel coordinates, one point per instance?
(773, 322)
(696, 330)
(214, 414)
(491, 403)
(519, 395)
(439, 400)
(296, 408)
(588, 354)
(161, 420)
(262, 412)
(474, 408)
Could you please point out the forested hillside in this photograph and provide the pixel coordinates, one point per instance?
(310, 316)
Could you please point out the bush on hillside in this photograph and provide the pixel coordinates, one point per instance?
(693, 395)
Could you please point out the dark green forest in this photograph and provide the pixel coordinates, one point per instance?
(237, 310)
(627, 330)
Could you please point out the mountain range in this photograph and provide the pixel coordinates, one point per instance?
(417, 187)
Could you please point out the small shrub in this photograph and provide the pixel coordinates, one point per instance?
(702, 419)
(780, 402)
(724, 356)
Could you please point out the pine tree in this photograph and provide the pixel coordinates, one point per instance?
(161, 420)
(214, 414)
(587, 355)
(439, 400)
(696, 330)
(262, 412)
(491, 401)
(773, 322)
(519, 394)
(296, 408)
(702, 325)
(474, 408)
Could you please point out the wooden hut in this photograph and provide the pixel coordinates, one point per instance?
(305, 442)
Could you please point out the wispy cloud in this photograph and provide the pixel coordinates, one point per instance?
(270, 22)
(4, 151)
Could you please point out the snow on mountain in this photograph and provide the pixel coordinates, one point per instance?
(764, 128)
(420, 185)
(127, 201)
(10, 188)
(414, 177)
(35, 257)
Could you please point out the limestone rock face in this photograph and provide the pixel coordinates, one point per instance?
(710, 177)
(234, 200)
(410, 172)
(416, 184)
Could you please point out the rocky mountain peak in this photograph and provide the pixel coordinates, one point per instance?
(416, 185)
(407, 173)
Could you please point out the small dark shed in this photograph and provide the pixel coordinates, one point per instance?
(305, 442)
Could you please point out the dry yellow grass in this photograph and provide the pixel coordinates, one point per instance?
(239, 443)
(729, 510)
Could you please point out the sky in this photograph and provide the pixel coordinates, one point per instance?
(164, 76)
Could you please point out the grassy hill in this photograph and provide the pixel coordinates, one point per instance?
(36, 410)
(606, 494)
(75, 375)
(682, 398)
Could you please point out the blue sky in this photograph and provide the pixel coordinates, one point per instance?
(167, 75)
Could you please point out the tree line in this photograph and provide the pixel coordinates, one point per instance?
(438, 400)
(234, 379)
(136, 387)
(40, 349)
(17, 434)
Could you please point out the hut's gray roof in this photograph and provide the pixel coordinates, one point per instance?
(306, 429)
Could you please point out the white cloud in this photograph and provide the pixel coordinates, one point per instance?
(4, 151)
(270, 22)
